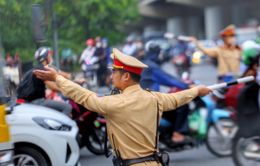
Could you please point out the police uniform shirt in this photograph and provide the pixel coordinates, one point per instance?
(228, 60)
(131, 116)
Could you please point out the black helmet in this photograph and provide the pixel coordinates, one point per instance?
(152, 47)
(42, 53)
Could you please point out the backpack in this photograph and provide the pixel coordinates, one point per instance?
(30, 87)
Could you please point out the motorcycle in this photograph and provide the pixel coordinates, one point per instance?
(91, 128)
(207, 123)
(89, 68)
(221, 123)
(246, 151)
(246, 143)
(168, 125)
(182, 63)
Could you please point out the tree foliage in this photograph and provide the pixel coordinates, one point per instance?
(77, 20)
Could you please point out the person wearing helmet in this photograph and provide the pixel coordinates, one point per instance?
(43, 55)
(228, 55)
(31, 89)
(250, 56)
(129, 47)
(181, 58)
(87, 54)
(152, 78)
(248, 115)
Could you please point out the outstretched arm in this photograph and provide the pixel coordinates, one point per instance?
(52, 85)
(174, 100)
(72, 90)
(212, 52)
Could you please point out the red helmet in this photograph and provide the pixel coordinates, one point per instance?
(90, 42)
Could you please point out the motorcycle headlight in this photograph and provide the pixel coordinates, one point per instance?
(52, 124)
(6, 157)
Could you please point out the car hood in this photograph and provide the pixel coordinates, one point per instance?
(32, 110)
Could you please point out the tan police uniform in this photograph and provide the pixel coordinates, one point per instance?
(132, 115)
(228, 58)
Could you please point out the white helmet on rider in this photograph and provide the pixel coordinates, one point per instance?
(42, 54)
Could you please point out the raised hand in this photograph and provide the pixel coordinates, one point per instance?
(48, 74)
(203, 90)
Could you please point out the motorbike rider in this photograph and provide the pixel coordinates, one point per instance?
(102, 62)
(248, 99)
(228, 55)
(43, 56)
(181, 59)
(248, 114)
(87, 56)
(152, 78)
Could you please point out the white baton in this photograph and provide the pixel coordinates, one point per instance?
(226, 84)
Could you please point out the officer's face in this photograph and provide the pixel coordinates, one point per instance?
(229, 40)
(118, 78)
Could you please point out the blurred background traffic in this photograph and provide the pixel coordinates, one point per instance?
(173, 37)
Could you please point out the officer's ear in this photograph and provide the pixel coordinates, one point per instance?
(126, 76)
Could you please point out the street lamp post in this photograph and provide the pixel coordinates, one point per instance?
(55, 35)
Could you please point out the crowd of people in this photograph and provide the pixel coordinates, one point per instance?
(12, 61)
(95, 59)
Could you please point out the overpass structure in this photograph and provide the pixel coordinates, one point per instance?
(201, 18)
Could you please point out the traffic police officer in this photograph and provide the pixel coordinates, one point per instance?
(228, 55)
(131, 115)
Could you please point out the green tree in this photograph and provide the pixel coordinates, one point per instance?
(77, 20)
(15, 26)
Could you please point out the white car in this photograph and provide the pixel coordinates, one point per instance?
(43, 137)
(6, 153)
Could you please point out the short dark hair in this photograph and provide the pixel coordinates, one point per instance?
(135, 77)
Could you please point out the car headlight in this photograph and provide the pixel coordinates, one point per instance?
(6, 157)
(52, 124)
